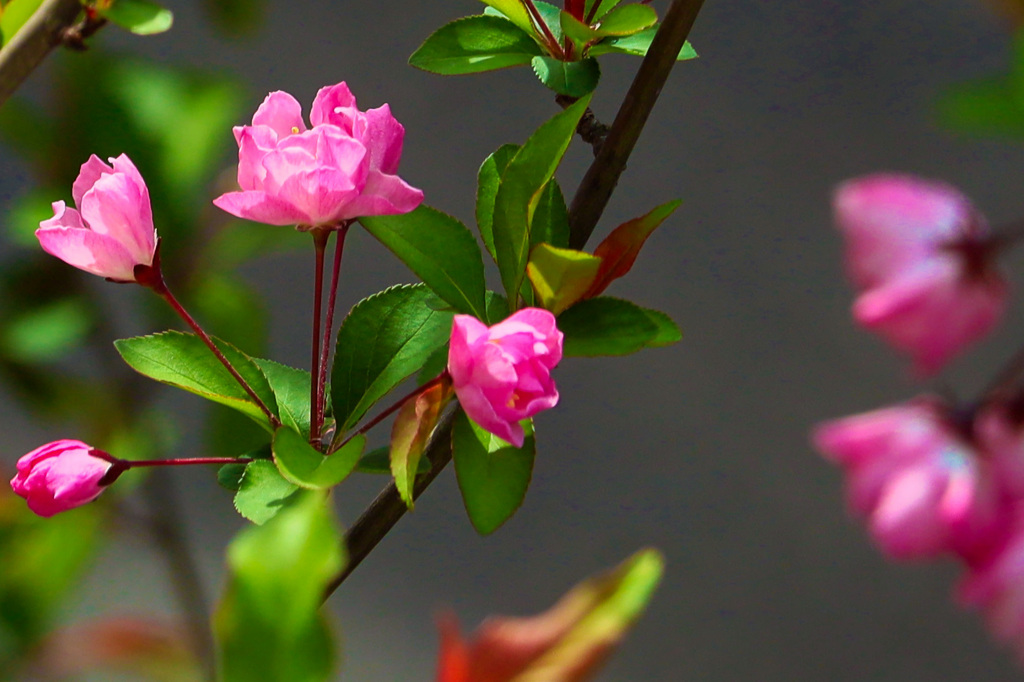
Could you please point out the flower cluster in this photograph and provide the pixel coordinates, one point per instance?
(341, 169)
(929, 479)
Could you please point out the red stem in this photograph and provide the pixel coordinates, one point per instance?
(325, 347)
(320, 238)
(182, 461)
(153, 278)
(393, 408)
(576, 8)
(552, 41)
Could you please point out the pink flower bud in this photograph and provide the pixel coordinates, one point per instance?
(502, 374)
(343, 168)
(112, 230)
(922, 488)
(919, 255)
(59, 476)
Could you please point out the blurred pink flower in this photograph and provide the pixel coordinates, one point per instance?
(343, 168)
(112, 230)
(996, 587)
(59, 476)
(922, 488)
(919, 254)
(502, 374)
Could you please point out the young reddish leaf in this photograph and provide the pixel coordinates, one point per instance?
(619, 249)
(415, 422)
(567, 643)
(560, 277)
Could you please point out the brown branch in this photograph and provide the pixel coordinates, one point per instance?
(598, 184)
(587, 206)
(44, 31)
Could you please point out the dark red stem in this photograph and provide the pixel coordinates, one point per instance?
(393, 408)
(549, 37)
(183, 461)
(325, 346)
(316, 418)
(152, 277)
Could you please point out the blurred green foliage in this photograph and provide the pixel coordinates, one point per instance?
(992, 105)
(57, 324)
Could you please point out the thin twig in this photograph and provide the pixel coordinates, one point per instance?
(26, 50)
(598, 184)
(385, 511)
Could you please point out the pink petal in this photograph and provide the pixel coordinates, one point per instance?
(63, 217)
(328, 99)
(384, 195)
(383, 138)
(282, 113)
(261, 207)
(91, 171)
(932, 313)
(119, 208)
(892, 222)
(254, 142)
(89, 251)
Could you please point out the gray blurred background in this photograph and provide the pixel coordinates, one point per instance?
(699, 449)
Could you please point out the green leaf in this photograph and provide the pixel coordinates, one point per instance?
(497, 308)
(618, 251)
(552, 17)
(385, 339)
(269, 625)
(493, 474)
(262, 491)
(603, 9)
(14, 15)
(520, 191)
(626, 20)
(986, 107)
(440, 250)
(48, 332)
(184, 361)
(551, 219)
(560, 277)
(515, 11)
(300, 463)
(606, 326)
(668, 331)
(475, 44)
(230, 476)
(237, 17)
(580, 33)
(412, 428)
(488, 181)
(291, 391)
(141, 17)
(637, 44)
(574, 79)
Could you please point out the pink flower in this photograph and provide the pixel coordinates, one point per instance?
(502, 374)
(59, 476)
(112, 230)
(918, 253)
(343, 168)
(996, 587)
(921, 486)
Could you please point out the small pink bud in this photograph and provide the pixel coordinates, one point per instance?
(112, 229)
(922, 488)
(502, 374)
(343, 168)
(59, 476)
(918, 253)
